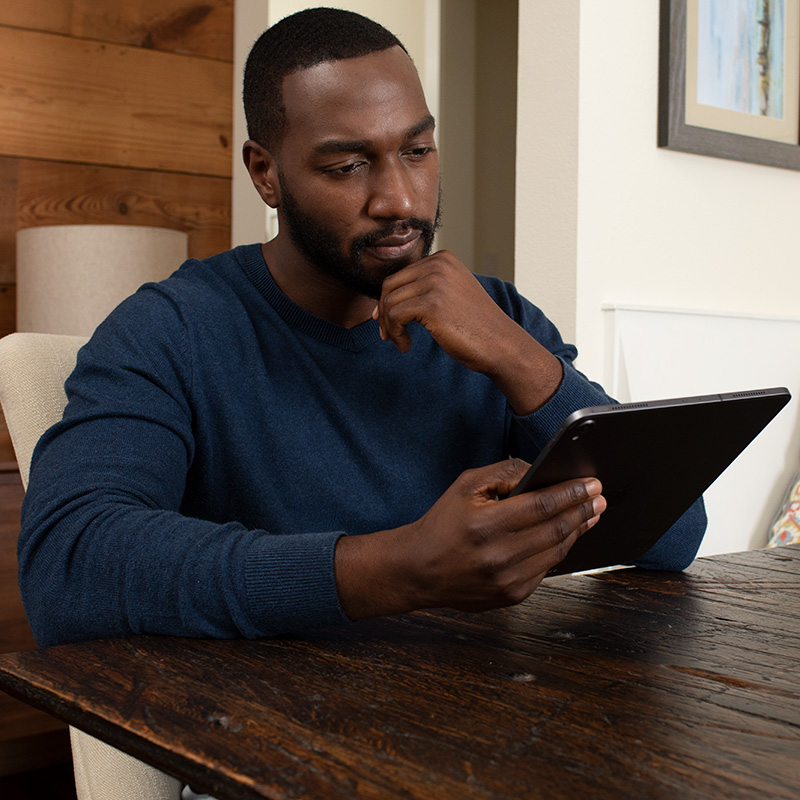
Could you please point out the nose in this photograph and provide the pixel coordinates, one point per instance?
(393, 193)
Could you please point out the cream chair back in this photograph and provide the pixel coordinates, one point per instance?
(33, 369)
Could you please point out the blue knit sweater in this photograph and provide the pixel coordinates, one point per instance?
(219, 439)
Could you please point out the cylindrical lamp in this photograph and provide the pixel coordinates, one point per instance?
(70, 277)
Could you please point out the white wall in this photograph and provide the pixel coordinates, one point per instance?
(456, 132)
(637, 224)
(248, 213)
(547, 159)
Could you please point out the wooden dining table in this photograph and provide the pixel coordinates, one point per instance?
(620, 684)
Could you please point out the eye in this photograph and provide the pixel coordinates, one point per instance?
(420, 152)
(346, 169)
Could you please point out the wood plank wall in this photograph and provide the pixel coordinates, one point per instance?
(114, 113)
(110, 112)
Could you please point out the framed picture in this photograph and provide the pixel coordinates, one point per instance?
(729, 79)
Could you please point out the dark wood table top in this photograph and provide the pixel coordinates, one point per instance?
(623, 684)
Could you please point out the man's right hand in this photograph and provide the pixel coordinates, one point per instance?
(470, 551)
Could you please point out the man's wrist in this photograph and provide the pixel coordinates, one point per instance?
(527, 373)
(372, 575)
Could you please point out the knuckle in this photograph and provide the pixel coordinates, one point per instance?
(438, 277)
(436, 304)
(560, 533)
(467, 480)
(479, 536)
(561, 549)
(514, 468)
(544, 502)
(434, 290)
(491, 569)
(510, 594)
(514, 595)
(577, 491)
(517, 593)
(555, 499)
(564, 526)
(392, 314)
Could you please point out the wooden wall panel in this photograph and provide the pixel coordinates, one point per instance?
(8, 324)
(179, 26)
(41, 15)
(102, 103)
(20, 724)
(14, 631)
(8, 218)
(9, 170)
(65, 194)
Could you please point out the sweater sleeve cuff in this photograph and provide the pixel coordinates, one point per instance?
(291, 583)
(574, 392)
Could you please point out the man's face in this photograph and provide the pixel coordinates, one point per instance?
(359, 172)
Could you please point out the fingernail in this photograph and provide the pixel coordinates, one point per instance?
(599, 504)
(593, 486)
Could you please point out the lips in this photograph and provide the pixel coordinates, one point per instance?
(390, 248)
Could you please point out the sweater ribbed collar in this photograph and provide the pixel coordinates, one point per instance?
(353, 339)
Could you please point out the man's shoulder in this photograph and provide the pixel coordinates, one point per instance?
(206, 274)
(495, 285)
(506, 295)
(201, 292)
(197, 285)
(527, 314)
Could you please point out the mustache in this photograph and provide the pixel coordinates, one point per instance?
(426, 227)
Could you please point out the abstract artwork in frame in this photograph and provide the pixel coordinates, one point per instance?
(729, 79)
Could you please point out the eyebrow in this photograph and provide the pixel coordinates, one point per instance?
(331, 146)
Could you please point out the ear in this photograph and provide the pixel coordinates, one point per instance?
(263, 169)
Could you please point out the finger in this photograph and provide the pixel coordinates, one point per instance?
(376, 315)
(522, 571)
(518, 541)
(540, 562)
(409, 274)
(532, 508)
(560, 532)
(392, 330)
(556, 534)
(539, 551)
(412, 302)
(493, 480)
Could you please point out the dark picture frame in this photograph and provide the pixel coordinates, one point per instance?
(675, 134)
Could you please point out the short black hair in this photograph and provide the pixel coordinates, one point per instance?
(297, 42)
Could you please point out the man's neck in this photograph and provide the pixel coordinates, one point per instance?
(312, 290)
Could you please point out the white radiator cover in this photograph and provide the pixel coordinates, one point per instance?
(654, 353)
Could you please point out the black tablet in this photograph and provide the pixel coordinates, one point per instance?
(654, 460)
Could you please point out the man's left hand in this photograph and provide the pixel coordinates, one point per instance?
(441, 294)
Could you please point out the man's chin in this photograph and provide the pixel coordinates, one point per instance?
(368, 281)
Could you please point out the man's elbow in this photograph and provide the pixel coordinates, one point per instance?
(677, 548)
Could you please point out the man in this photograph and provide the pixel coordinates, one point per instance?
(317, 429)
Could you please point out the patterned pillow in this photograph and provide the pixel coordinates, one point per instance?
(786, 526)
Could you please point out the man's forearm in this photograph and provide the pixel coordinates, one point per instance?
(526, 373)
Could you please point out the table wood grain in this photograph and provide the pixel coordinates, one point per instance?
(616, 685)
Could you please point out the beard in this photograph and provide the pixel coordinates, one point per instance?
(331, 255)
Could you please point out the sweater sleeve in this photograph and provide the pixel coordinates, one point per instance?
(105, 549)
(677, 548)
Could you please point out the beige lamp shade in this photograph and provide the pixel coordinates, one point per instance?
(70, 277)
